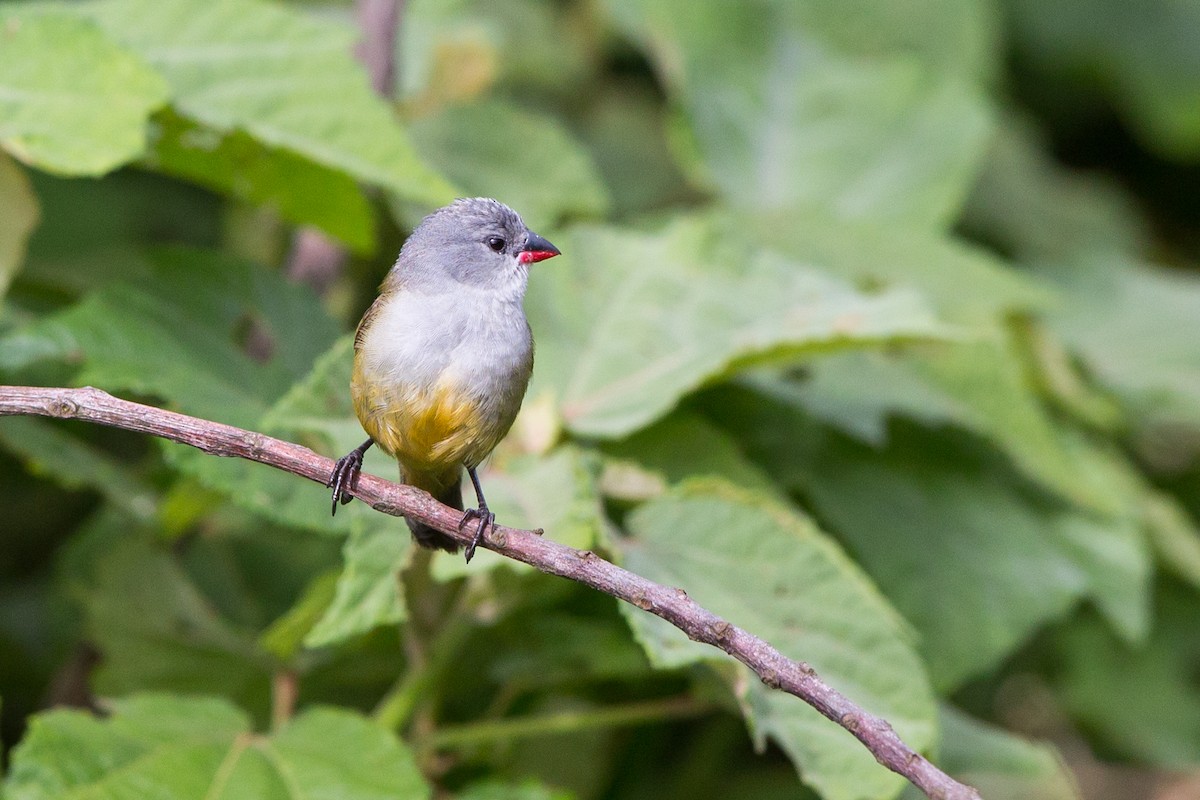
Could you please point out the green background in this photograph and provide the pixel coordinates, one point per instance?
(875, 328)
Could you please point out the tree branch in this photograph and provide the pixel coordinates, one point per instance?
(583, 566)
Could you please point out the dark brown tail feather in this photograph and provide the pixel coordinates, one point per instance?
(435, 539)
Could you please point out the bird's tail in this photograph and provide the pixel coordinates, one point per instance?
(429, 537)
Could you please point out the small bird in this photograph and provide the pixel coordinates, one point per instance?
(443, 356)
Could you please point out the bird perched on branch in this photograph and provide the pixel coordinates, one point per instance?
(443, 356)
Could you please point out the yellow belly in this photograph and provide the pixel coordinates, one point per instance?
(432, 431)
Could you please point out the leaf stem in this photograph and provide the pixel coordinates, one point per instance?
(638, 713)
(397, 706)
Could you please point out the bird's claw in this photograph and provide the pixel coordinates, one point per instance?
(345, 477)
(486, 519)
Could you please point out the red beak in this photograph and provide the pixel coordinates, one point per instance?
(536, 249)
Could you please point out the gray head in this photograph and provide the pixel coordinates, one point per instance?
(476, 242)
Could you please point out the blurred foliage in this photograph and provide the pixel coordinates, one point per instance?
(875, 331)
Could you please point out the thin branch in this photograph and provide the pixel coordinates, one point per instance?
(583, 566)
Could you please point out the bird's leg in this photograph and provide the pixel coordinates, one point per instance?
(482, 514)
(345, 474)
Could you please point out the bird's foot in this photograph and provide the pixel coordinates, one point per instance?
(345, 477)
(486, 519)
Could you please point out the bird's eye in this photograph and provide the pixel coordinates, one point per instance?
(496, 243)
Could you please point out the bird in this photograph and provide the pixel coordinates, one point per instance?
(443, 357)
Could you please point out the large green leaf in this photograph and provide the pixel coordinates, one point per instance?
(368, 591)
(681, 446)
(966, 285)
(525, 158)
(769, 570)
(301, 190)
(71, 100)
(991, 384)
(982, 385)
(997, 763)
(19, 219)
(182, 333)
(1159, 722)
(158, 631)
(1028, 204)
(176, 748)
(47, 449)
(287, 79)
(949, 36)
(937, 510)
(631, 321)
(784, 117)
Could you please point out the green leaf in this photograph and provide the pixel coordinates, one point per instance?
(769, 570)
(314, 411)
(179, 334)
(1025, 202)
(336, 753)
(858, 392)
(563, 649)
(176, 748)
(936, 510)
(524, 157)
(982, 386)
(988, 381)
(368, 590)
(288, 80)
(157, 631)
(286, 635)
(66, 753)
(964, 284)
(997, 763)
(19, 219)
(300, 190)
(784, 118)
(948, 36)
(182, 333)
(93, 233)
(639, 320)
(253, 573)
(1175, 536)
(1159, 723)
(678, 447)
(47, 449)
(71, 100)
